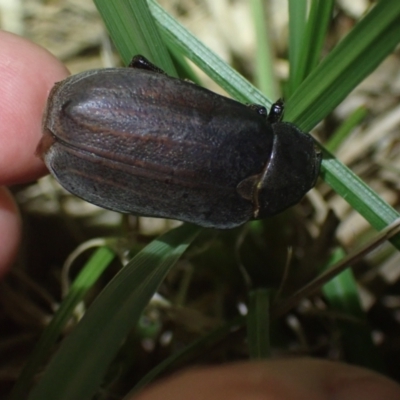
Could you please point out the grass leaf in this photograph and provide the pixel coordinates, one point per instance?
(81, 285)
(134, 31)
(76, 370)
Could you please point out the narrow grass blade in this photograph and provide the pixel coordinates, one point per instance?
(312, 41)
(387, 233)
(83, 282)
(359, 195)
(342, 295)
(134, 31)
(297, 27)
(356, 56)
(218, 70)
(76, 370)
(199, 345)
(344, 130)
(184, 70)
(258, 324)
(264, 76)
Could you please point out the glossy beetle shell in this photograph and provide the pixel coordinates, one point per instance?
(141, 142)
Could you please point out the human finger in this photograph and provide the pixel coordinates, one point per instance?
(28, 72)
(294, 379)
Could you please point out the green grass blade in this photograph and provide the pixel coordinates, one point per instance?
(264, 75)
(184, 70)
(218, 70)
(317, 27)
(83, 282)
(356, 56)
(76, 370)
(315, 284)
(297, 26)
(312, 41)
(342, 295)
(258, 324)
(134, 31)
(198, 346)
(359, 195)
(345, 129)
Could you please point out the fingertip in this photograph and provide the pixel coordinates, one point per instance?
(346, 382)
(289, 379)
(28, 73)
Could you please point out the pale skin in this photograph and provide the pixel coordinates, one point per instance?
(27, 74)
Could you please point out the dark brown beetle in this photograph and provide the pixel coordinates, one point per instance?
(137, 141)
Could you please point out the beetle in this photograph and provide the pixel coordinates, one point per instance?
(138, 141)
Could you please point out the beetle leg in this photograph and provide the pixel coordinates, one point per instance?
(141, 62)
(248, 189)
(261, 110)
(276, 112)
